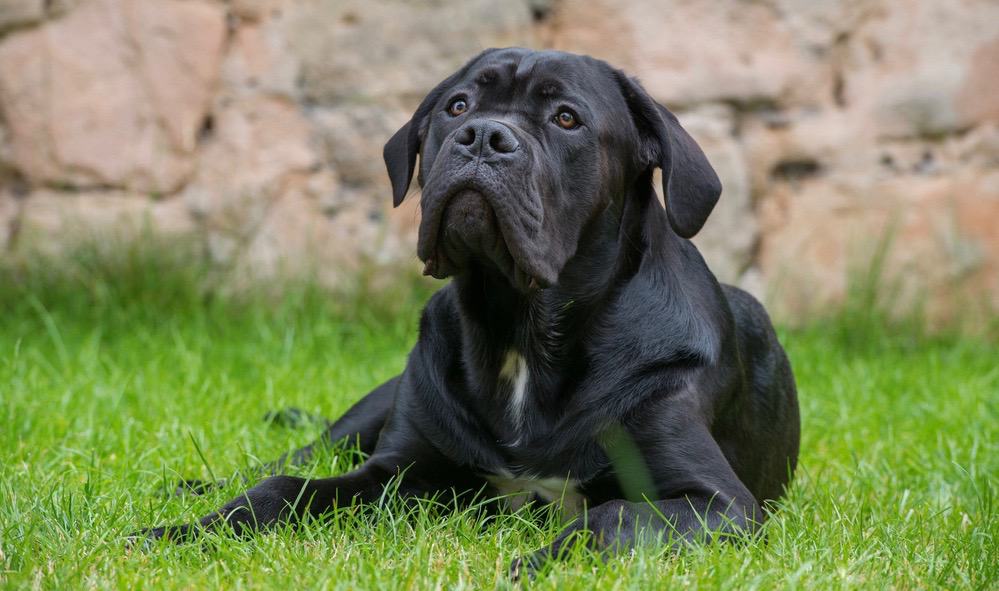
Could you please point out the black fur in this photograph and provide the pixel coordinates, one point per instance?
(665, 395)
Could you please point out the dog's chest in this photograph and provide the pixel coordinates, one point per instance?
(512, 383)
(515, 491)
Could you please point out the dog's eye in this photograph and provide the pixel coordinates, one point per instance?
(457, 107)
(566, 119)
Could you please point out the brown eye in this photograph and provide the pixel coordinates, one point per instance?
(457, 107)
(566, 119)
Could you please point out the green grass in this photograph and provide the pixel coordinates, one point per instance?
(113, 375)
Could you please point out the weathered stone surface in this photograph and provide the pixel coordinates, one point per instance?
(259, 62)
(9, 209)
(728, 238)
(689, 51)
(912, 69)
(259, 149)
(258, 9)
(51, 221)
(353, 136)
(17, 13)
(355, 51)
(112, 94)
(295, 238)
(938, 231)
(829, 123)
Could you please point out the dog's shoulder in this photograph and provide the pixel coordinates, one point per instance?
(671, 309)
(440, 313)
(752, 322)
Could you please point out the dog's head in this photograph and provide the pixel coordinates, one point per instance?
(520, 150)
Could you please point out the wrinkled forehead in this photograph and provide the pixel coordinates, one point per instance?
(524, 74)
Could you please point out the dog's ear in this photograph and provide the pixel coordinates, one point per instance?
(402, 148)
(690, 186)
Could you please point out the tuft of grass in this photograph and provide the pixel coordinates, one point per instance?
(121, 373)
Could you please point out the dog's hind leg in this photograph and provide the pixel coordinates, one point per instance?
(361, 425)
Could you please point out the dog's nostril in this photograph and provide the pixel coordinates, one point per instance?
(502, 141)
(466, 136)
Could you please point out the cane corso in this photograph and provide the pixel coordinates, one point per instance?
(582, 354)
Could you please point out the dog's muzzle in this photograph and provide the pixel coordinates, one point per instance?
(474, 202)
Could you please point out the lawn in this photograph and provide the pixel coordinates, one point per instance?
(118, 378)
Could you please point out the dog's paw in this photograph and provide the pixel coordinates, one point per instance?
(293, 418)
(526, 567)
(193, 486)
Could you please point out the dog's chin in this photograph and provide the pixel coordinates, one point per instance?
(469, 235)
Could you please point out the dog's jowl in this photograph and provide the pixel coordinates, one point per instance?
(582, 352)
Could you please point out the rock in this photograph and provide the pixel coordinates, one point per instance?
(926, 70)
(257, 147)
(978, 98)
(259, 62)
(256, 10)
(296, 239)
(353, 137)
(19, 13)
(830, 124)
(259, 160)
(53, 221)
(730, 234)
(112, 94)
(9, 211)
(689, 51)
(408, 47)
(937, 233)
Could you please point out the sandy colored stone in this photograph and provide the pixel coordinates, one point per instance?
(730, 234)
(939, 232)
(255, 144)
(394, 52)
(353, 136)
(690, 51)
(9, 209)
(258, 9)
(52, 221)
(113, 93)
(978, 98)
(829, 123)
(259, 62)
(18, 13)
(910, 69)
(260, 151)
(26, 13)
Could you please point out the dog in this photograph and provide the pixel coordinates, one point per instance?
(582, 353)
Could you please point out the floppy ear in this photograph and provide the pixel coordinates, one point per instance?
(400, 160)
(690, 186)
(401, 149)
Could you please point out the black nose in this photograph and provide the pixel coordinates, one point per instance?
(485, 137)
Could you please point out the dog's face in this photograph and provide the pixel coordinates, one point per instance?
(520, 150)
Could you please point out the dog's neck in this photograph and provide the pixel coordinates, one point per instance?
(547, 325)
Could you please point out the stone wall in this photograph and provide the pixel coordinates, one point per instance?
(255, 127)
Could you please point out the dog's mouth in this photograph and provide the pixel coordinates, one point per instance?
(464, 230)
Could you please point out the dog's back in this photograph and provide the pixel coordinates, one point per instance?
(769, 408)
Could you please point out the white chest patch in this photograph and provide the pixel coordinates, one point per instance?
(514, 373)
(519, 490)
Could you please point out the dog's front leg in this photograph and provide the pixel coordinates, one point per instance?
(619, 526)
(681, 489)
(288, 499)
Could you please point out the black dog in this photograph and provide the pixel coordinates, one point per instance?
(583, 352)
